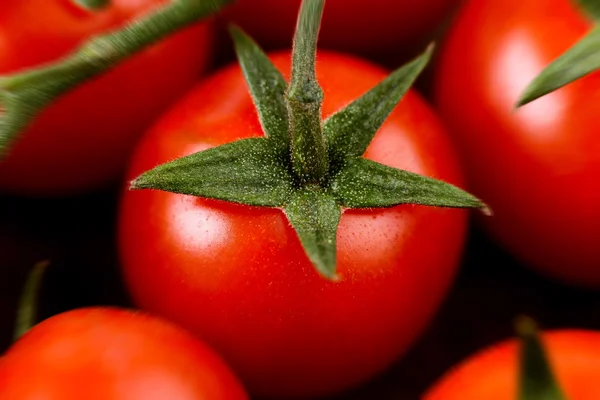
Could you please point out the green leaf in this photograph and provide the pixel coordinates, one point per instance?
(536, 379)
(92, 5)
(267, 87)
(248, 171)
(315, 216)
(27, 311)
(590, 7)
(366, 184)
(23, 95)
(349, 131)
(580, 60)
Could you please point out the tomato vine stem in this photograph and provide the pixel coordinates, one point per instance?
(304, 98)
(23, 95)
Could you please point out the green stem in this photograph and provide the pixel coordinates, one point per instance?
(304, 98)
(27, 311)
(92, 5)
(536, 378)
(24, 95)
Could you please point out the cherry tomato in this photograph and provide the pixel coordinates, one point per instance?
(83, 141)
(378, 28)
(237, 275)
(492, 374)
(110, 354)
(538, 166)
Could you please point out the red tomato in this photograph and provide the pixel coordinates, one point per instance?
(83, 140)
(237, 275)
(492, 373)
(110, 354)
(538, 166)
(381, 28)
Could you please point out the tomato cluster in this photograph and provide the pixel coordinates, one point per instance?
(288, 224)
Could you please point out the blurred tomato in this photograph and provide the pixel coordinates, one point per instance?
(377, 28)
(492, 374)
(113, 354)
(83, 140)
(538, 166)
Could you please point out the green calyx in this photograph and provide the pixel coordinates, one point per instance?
(536, 379)
(25, 94)
(580, 60)
(309, 168)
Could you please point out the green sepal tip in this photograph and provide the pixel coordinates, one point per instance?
(580, 60)
(27, 308)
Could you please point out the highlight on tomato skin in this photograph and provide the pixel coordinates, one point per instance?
(82, 142)
(536, 166)
(106, 353)
(492, 373)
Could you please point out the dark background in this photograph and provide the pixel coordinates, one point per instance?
(77, 235)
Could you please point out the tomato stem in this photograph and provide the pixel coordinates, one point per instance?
(304, 98)
(27, 311)
(24, 95)
(536, 378)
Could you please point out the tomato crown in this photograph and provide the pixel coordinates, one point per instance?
(309, 168)
(23, 95)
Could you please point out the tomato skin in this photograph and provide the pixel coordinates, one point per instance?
(113, 354)
(382, 28)
(83, 141)
(492, 373)
(537, 167)
(237, 276)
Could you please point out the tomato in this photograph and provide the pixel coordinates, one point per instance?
(381, 29)
(492, 373)
(109, 353)
(237, 275)
(538, 166)
(83, 141)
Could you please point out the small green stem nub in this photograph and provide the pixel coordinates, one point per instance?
(92, 5)
(304, 98)
(536, 378)
(27, 311)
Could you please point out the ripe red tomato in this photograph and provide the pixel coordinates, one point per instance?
(237, 275)
(538, 166)
(492, 373)
(84, 140)
(110, 354)
(380, 28)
